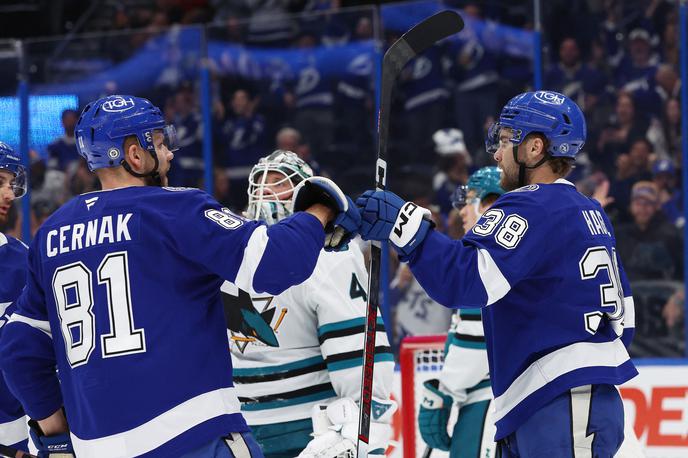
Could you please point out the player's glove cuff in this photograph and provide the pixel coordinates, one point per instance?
(321, 190)
(433, 416)
(56, 446)
(385, 216)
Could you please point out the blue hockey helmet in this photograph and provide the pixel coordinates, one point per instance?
(106, 123)
(550, 113)
(484, 182)
(11, 162)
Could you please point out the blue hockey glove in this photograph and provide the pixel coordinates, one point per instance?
(434, 416)
(385, 216)
(324, 191)
(56, 446)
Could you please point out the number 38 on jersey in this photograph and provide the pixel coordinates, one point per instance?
(509, 230)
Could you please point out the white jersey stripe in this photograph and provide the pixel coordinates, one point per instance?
(629, 312)
(496, 286)
(556, 364)
(253, 253)
(14, 431)
(162, 428)
(3, 307)
(41, 325)
(581, 398)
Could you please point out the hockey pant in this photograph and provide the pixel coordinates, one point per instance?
(234, 445)
(584, 422)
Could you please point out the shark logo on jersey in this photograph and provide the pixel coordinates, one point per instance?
(245, 323)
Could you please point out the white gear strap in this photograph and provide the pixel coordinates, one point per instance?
(407, 224)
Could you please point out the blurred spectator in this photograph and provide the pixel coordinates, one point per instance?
(62, 152)
(570, 74)
(475, 73)
(631, 167)
(354, 106)
(650, 247)
(670, 49)
(242, 135)
(81, 180)
(312, 100)
(425, 105)
(673, 313)
(41, 209)
(637, 69)
(182, 110)
(671, 127)
(289, 139)
(453, 163)
(623, 128)
(670, 196)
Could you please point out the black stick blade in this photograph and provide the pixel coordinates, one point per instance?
(421, 37)
(432, 30)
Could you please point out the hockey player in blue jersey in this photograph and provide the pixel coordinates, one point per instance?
(465, 376)
(13, 431)
(123, 297)
(300, 365)
(542, 263)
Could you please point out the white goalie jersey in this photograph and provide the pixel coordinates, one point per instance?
(304, 346)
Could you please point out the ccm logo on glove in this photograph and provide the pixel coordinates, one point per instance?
(407, 223)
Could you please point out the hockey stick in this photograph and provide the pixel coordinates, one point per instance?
(412, 43)
(13, 452)
(427, 453)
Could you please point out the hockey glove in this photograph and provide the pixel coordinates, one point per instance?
(385, 216)
(433, 417)
(335, 429)
(56, 446)
(321, 190)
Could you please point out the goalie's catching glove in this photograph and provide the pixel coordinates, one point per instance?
(335, 429)
(385, 216)
(434, 415)
(56, 446)
(321, 190)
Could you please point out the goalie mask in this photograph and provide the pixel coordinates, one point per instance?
(270, 194)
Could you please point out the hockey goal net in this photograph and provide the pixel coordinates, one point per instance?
(421, 359)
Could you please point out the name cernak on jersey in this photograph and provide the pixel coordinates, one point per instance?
(98, 231)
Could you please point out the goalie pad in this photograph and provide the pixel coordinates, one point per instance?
(335, 429)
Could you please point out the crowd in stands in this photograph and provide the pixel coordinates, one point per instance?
(617, 59)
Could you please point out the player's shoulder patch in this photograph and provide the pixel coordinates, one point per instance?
(178, 188)
(527, 188)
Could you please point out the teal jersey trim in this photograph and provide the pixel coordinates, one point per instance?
(479, 386)
(269, 370)
(470, 312)
(339, 325)
(357, 362)
(290, 402)
(467, 344)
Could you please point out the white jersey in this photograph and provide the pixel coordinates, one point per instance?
(311, 350)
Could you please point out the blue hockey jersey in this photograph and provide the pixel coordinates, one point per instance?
(558, 311)
(123, 296)
(13, 430)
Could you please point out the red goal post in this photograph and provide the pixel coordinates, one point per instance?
(420, 359)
